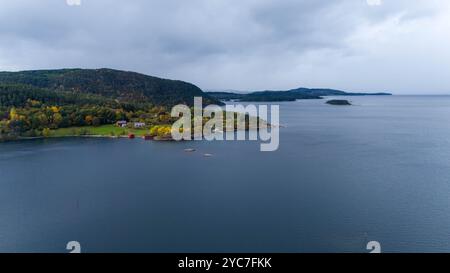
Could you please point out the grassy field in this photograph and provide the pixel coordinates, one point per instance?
(103, 130)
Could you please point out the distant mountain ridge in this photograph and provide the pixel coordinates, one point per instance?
(289, 95)
(116, 84)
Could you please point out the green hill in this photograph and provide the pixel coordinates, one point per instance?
(121, 85)
(34, 102)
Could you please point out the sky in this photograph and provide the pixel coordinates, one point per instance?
(398, 46)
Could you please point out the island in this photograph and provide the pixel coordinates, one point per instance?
(285, 96)
(339, 102)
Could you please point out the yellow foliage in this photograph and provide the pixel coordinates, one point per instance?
(154, 130)
(13, 114)
(161, 131)
(46, 132)
(54, 109)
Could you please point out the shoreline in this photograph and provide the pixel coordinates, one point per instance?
(111, 132)
(70, 136)
(85, 136)
(101, 136)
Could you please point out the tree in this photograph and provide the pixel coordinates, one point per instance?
(54, 109)
(13, 114)
(46, 132)
(4, 130)
(154, 131)
(57, 119)
(88, 119)
(96, 121)
(164, 131)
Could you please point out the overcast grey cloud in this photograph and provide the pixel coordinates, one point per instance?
(356, 45)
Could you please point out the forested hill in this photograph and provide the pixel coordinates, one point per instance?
(127, 87)
(35, 103)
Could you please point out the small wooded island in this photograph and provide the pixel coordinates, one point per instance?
(339, 102)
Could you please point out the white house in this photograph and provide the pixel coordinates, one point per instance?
(139, 124)
(122, 123)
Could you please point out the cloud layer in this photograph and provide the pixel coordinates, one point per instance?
(357, 45)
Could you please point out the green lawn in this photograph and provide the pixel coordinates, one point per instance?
(103, 130)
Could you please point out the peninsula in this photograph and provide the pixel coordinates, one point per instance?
(91, 102)
(289, 95)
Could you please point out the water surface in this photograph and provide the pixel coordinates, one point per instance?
(343, 176)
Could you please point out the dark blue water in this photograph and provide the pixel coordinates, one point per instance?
(343, 176)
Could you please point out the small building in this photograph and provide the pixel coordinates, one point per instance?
(139, 124)
(122, 123)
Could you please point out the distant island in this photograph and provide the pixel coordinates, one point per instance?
(289, 95)
(339, 102)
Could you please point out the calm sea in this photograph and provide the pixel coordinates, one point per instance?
(343, 176)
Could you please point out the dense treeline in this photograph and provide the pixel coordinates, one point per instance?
(18, 95)
(115, 84)
(30, 111)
